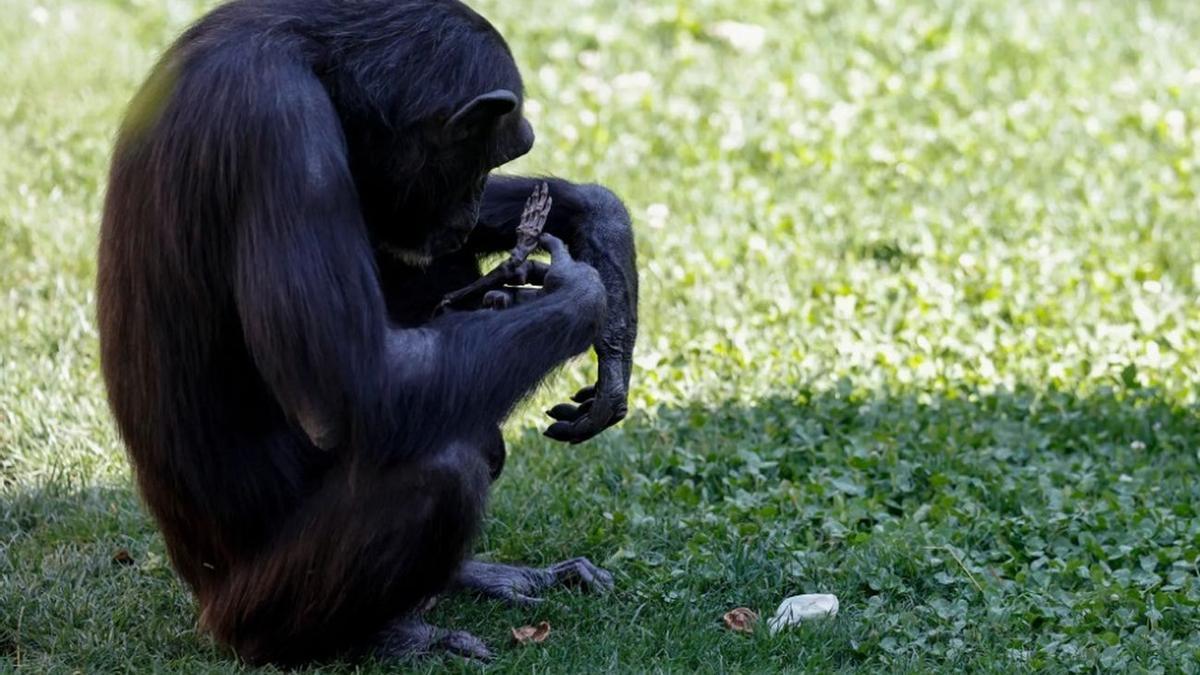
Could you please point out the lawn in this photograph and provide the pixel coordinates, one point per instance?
(920, 328)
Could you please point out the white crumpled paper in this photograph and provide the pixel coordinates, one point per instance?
(799, 608)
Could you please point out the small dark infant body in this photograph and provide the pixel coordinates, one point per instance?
(517, 269)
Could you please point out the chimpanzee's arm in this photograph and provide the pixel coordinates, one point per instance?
(312, 313)
(481, 363)
(597, 229)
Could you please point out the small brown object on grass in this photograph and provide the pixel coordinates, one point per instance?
(531, 634)
(537, 209)
(741, 620)
(122, 557)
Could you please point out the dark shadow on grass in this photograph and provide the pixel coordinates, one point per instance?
(963, 529)
(954, 526)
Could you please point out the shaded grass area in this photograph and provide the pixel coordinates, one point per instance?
(921, 328)
(1001, 531)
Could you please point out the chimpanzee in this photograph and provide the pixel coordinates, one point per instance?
(293, 191)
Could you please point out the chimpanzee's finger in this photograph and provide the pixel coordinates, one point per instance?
(584, 394)
(598, 418)
(558, 250)
(560, 431)
(522, 600)
(464, 644)
(565, 412)
(583, 429)
(575, 432)
(582, 570)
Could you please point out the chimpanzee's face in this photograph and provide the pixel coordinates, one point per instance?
(443, 211)
(469, 164)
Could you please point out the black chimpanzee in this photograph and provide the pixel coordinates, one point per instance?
(295, 188)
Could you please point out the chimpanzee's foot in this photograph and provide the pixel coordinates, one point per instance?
(412, 637)
(521, 585)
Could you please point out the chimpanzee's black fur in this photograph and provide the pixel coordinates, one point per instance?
(293, 190)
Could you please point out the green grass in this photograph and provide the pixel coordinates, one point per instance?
(920, 327)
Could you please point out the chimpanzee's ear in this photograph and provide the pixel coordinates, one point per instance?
(480, 112)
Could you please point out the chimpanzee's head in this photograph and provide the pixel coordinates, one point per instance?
(484, 133)
(423, 142)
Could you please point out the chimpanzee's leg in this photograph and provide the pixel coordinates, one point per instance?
(520, 585)
(360, 557)
(512, 583)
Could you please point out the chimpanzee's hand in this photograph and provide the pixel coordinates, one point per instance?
(567, 274)
(600, 407)
(604, 404)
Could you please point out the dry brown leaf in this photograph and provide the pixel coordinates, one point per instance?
(740, 620)
(122, 557)
(531, 634)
